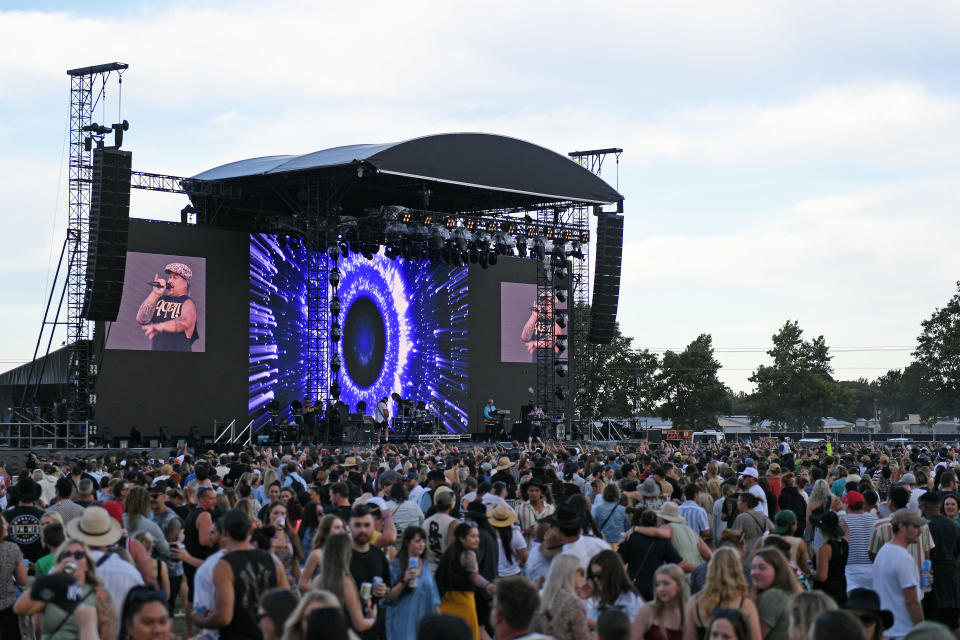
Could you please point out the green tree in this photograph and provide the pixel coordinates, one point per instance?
(692, 395)
(739, 402)
(938, 361)
(797, 390)
(620, 380)
(864, 396)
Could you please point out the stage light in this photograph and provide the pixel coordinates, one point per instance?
(540, 248)
(334, 251)
(561, 271)
(335, 363)
(492, 258)
(561, 293)
(561, 344)
(335, 332)
(334, 276)
(561, 319)
(561, 370)
(548, 274)
(482, 259)
(470, 224)
(335, 390)
(522, 247)
(577, 250)
(335, 306)
(505, 243)
(483, 240)
(462, 238)
(560, 393)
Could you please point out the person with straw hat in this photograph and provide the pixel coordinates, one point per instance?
(510, 541)
(688, 544)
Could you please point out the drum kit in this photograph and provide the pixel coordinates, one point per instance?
(414, 418)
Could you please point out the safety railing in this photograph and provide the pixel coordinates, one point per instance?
(45, 435)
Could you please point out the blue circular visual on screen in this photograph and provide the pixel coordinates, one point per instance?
(364, 342)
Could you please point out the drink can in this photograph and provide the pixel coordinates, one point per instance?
(69, 568)
(366, 591)
(377, 580)
(413, 564)
(281, 520)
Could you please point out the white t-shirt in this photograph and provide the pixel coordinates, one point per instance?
(585, 548)
(894, 569)
(629, 602)
(203, 592)
(512, 567)
(757, 490)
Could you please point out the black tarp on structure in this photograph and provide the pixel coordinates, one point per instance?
(37, 383)
(464, 172)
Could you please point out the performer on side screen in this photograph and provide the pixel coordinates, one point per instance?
(168, 314)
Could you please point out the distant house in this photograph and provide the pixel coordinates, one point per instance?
(913, 425)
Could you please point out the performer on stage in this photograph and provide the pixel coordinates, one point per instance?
(535, 417)
(168, 314)
(381, 416)
(491, 420)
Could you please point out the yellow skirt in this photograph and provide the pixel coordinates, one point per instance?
(462, 605)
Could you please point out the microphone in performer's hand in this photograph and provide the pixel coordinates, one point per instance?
(157, 284)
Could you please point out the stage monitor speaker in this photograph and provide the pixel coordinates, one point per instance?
(109, 226)
(606, 281)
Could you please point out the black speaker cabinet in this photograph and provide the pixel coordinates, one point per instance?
(606, 281)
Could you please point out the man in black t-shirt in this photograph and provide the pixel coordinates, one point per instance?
(366, 563)
(168, 314)
(24, 519)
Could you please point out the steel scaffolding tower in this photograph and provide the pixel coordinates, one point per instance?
(87, 90)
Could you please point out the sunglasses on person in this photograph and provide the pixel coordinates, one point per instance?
(146, 594)
(76, 555)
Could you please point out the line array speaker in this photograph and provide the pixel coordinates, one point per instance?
(606, 282)
(109, 226)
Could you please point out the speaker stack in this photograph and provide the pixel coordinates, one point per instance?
(109, 226)
(606, 281)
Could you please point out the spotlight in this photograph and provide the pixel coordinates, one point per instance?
(335, 332)
(560, 271)
(577, 250)
(482, 258)
(560, 393)
(461, 237)
(561, 293)
(522, 247)
(505, 243)
(335, 390)
(483, 241)
(548, 274)
(560, 370)
(492, 259)
(561, 319)
(335, 363)
(540, 248)
(334, 251)
(335, 306)
(561, 344)
(335, 276)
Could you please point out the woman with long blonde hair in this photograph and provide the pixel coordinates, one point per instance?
(562, 614)
(820, 502)
(804, 609)
(726, 587)
(662, 619)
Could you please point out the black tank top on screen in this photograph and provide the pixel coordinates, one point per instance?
(168, 308)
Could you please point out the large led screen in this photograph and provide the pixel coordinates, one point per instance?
(403, 325)
(163, 304)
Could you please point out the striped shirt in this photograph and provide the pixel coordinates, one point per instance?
(860, 528)
(883, 532)
(695, 515)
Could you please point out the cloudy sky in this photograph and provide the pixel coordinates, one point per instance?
(782, 160)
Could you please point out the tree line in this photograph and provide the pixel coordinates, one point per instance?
(795, 391)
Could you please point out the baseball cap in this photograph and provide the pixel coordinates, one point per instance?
(853, 497)
(749, 462)
(908, 478)
(750, 471)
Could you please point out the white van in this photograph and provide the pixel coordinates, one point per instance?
(710, 435)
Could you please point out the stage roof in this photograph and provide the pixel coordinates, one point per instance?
(465, 160)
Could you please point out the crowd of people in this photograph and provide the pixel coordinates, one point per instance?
(762, 540)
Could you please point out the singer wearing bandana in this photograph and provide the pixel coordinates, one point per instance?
(168, 316)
